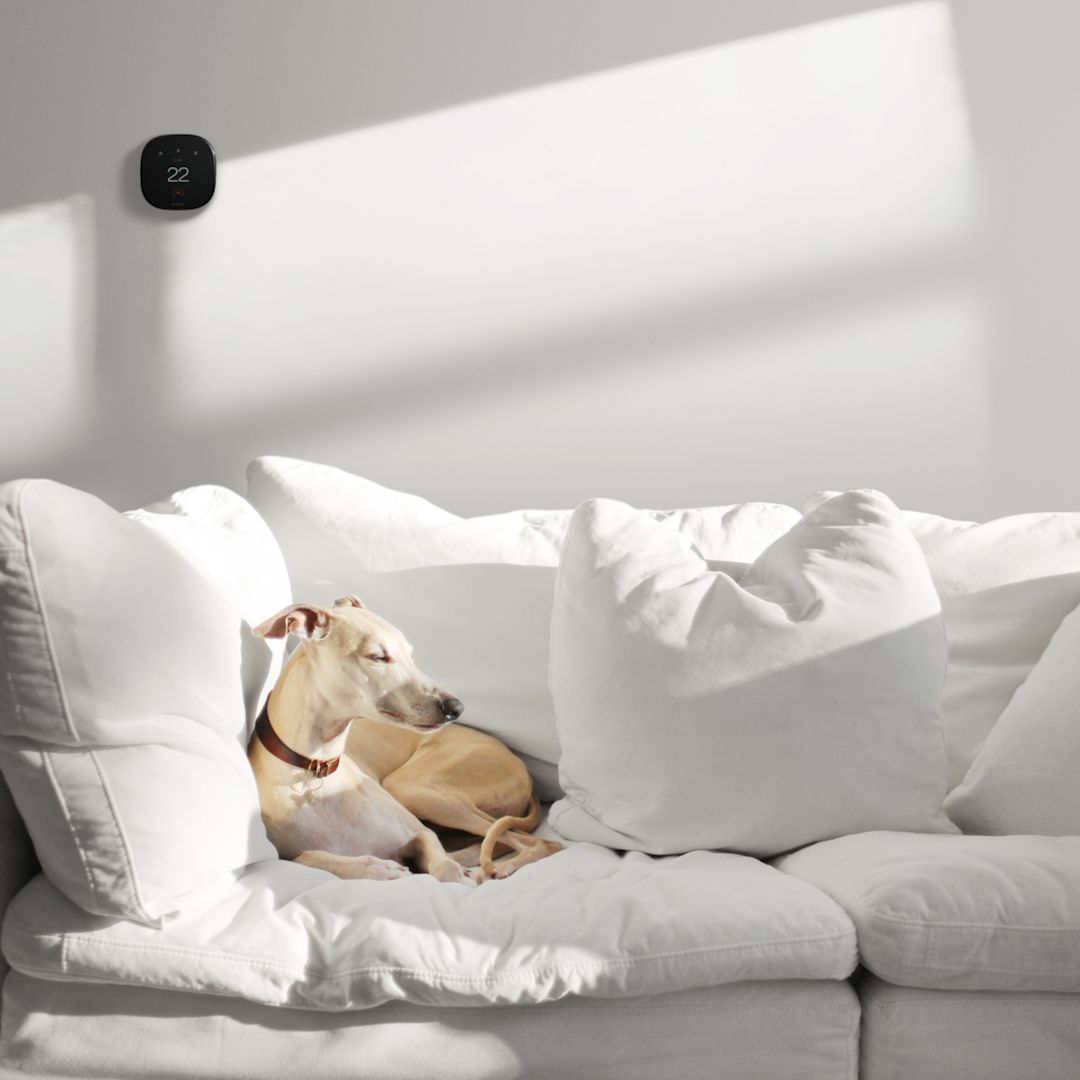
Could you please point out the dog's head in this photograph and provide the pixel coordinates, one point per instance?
(363, 666)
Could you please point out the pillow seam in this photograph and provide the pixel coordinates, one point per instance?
(121, 837)
(46, 761)
(996, 927)
(65, 711)
(93, 941)
(31, 574)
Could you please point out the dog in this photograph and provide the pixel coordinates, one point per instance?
(354, 759)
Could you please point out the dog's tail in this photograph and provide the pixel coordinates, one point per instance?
(502, 825)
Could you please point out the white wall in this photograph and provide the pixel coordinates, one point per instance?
(508, 254)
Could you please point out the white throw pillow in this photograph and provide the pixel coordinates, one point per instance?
(1005, 585)
(753, 711)
(122, 674)
(472, 595)
(1026, 777)
(226, 541)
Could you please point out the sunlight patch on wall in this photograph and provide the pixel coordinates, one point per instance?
(714, 173)
(893, 396)
(46, 326)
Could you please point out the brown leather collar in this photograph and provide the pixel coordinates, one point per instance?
(272, 741)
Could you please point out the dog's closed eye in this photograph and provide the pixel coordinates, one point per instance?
(380, 657)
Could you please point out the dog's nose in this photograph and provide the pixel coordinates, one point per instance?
(451, 708)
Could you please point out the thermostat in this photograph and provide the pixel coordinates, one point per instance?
(178, 172)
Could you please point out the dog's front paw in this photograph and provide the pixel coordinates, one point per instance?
(374, 869)
(500, 872)
(448, 870)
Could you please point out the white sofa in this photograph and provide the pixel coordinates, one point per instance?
(163, 939)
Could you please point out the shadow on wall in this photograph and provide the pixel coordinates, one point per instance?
(761, 254)
(1022, 81)
(268, 73)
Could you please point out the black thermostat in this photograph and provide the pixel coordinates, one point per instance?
(178, 172)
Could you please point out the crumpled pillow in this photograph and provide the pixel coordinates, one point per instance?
(755, 708)
(128, 679)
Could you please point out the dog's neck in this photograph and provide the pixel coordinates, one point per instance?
(302, 716)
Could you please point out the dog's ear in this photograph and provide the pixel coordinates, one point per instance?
(351, 600)
(307, 620)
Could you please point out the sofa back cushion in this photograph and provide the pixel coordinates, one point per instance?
(1026, 776)
(755, 709)
(128, 681)
(1005, 586)
(472, 594)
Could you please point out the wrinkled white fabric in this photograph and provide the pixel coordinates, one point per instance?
(1026, 777)
(585, 921)
(1005, 586)
(768, 1030)
(229, 544)
(127, 679)
(959, 912)
(754, 709)
(473, 595)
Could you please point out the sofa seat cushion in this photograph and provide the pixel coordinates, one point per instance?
(956, 912)
(585, 921)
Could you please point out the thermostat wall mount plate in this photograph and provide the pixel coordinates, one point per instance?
(178, 172)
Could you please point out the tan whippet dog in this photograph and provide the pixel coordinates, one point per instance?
(352, 749)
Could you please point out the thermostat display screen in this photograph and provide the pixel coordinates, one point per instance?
(178, 172)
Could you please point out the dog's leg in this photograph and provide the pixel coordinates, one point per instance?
(467, 856)
(451, 812)
(529, 848)
(443, 808)
(353, 866)
(506, 862)
(430, 857)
